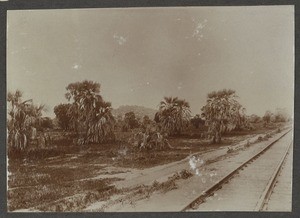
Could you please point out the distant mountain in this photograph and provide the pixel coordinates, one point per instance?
(139, 111)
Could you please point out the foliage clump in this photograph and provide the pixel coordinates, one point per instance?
(62, 112)
(223, 113)
(173, 115)
(90, 115)
(24, 118)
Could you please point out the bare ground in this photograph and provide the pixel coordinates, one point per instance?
(107, 177)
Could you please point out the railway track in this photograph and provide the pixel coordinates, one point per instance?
(249, 186)
(281, 189)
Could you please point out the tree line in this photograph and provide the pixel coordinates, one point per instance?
(90, 116)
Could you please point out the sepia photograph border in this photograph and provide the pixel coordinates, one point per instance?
(6, 5)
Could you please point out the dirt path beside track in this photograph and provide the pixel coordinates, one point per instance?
(206, 167)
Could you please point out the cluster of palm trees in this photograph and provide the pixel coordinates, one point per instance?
(91, 117)
(24, 117)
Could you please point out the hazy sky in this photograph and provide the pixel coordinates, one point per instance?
(140, 55)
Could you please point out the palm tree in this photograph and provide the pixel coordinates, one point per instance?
(183, 114)
(222, 113)
(90, 115)
(173, 114)
(101, 124)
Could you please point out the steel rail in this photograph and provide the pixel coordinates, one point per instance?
(218, 185)
(269, 188)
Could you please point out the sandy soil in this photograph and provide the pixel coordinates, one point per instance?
(207, 168)
(111, 178)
